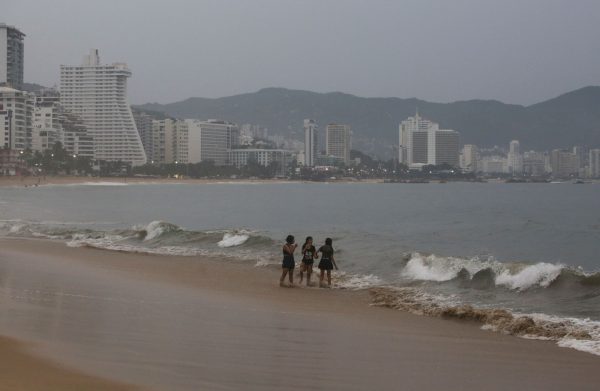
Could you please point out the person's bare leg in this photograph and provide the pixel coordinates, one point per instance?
(329, 278)
(308, 274)
(291, 277)
(283, 273)
(301, 274)
(321, 277)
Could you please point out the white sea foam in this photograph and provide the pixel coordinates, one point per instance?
(105, 183)
(265, 261)
(435, 268)
(356, 281)
(513, 276)
(17, 228)
(541, 274)
(157, 228)
(232, 240)
(592, 327)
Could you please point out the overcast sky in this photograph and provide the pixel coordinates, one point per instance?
(516, 51)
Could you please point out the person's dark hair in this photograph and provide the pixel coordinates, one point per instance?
(306, 242)
(289, 239)
(328, 241)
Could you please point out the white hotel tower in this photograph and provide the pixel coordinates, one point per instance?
(98, 94)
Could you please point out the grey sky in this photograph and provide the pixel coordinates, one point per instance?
(514, 51)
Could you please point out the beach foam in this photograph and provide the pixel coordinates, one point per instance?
(540, 274)
(233, 240)
(575, 333)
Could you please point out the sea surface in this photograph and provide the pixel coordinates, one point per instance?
(532, 250)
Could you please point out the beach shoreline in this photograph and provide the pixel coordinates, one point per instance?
(364, 345)
(21, 181)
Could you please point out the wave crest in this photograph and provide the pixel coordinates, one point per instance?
(233, 240)
(484, 274)
(157, 228)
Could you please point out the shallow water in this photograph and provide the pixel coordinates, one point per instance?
(529, 248)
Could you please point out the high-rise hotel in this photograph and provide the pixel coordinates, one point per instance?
(98, 94)
(310, 142)
(338, 142)
(12, 53)
(422, 142)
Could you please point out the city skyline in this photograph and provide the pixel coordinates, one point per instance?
(528, 60)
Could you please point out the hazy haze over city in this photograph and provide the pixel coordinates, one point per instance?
(514, 51)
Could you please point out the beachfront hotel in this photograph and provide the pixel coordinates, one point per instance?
(12, 53)
(408, 139)
(422, 142)
(169, 141)
(594, 163)
(338, 141)
(264, 157)
(310, 142)
(98, 94)
(16, 113)
(515, 159)
(211, 140)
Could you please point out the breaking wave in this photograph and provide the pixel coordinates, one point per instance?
(233, 240)
(489, 273)
(157, 237)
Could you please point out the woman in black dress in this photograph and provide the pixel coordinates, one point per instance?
(309, 254)
(288, 263)
(327, 262)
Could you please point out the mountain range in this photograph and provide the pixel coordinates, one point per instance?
(569, 119)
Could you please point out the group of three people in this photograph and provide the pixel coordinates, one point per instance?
(309, 254)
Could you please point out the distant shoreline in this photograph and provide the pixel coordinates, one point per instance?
(27, 181)
(73, 180)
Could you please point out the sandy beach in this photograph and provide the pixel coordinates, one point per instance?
(20, 370)
(187, 323)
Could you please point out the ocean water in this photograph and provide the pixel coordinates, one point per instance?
(532, 250)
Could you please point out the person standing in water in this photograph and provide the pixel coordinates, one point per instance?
(327, 262)
(288, 263)
(309, 254)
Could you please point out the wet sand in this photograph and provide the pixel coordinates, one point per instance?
(19, 370)
(179, 323)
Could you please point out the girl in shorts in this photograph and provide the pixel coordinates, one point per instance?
(288, 262)
(327, 262)
(309, 254)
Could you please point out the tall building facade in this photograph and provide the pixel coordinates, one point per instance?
(98, 94)
(16, 117)
(407, 139)
(338, 140)
(74, 135)
(423, 142)
(12, 56)
(534, 163)
(46, 129)
(443, 147)
(211, 140)
(594, 163)
(311, 137)
(169, 141)
(515, 159)
(143, 124)
(564, 163)
(582, 154)
(469, 158)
